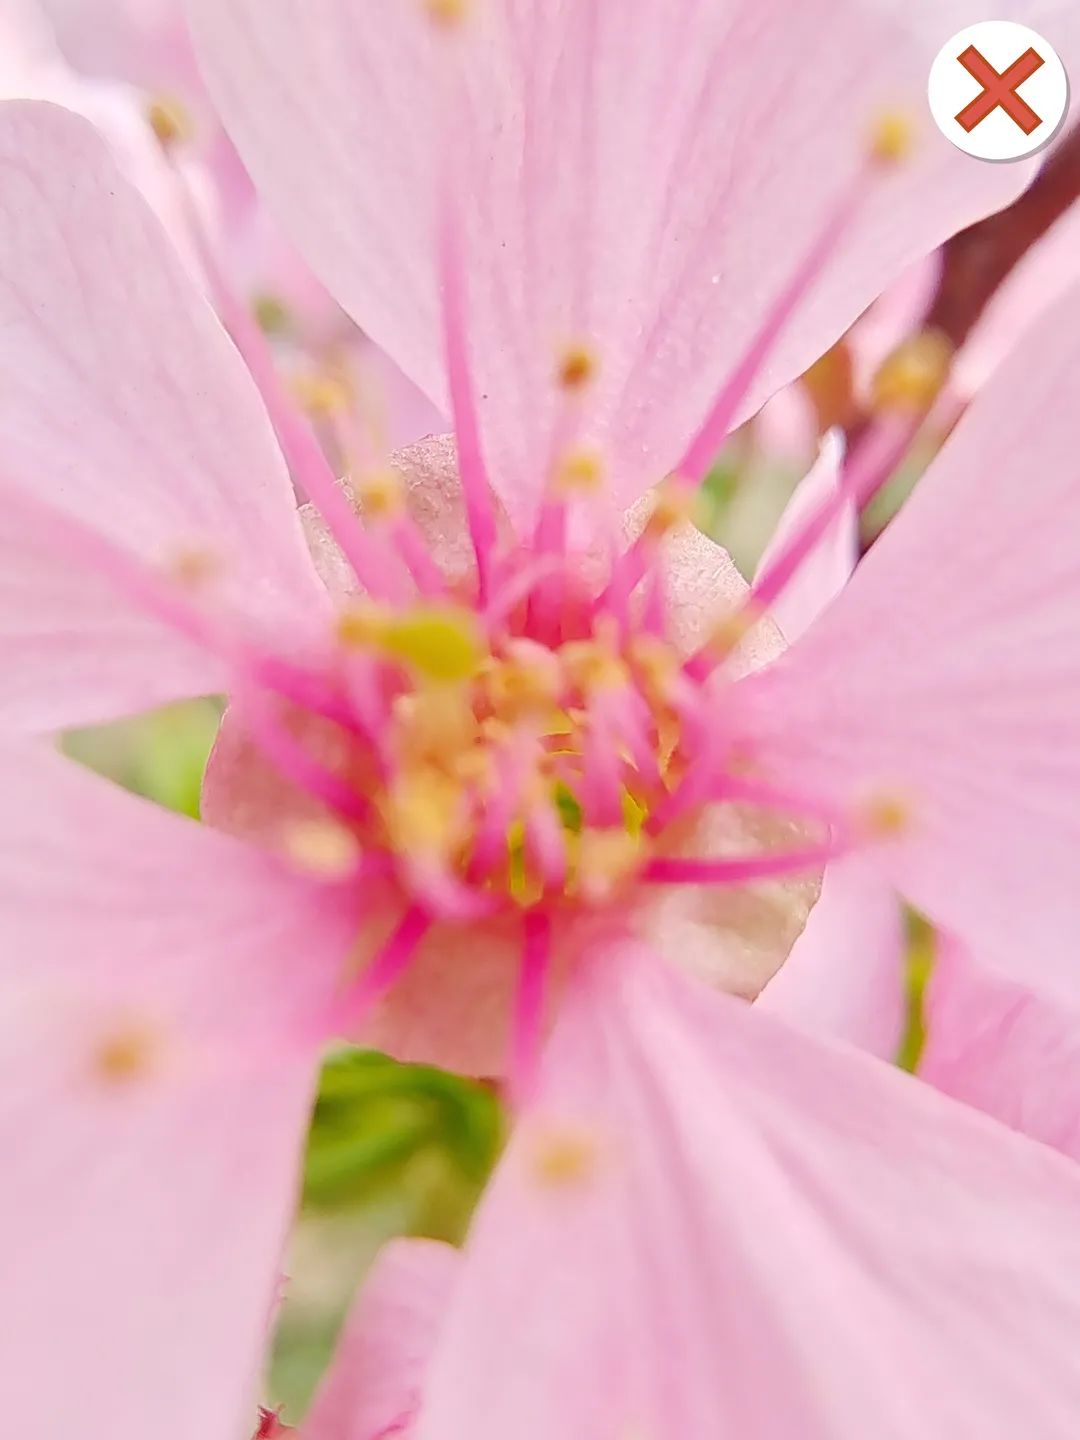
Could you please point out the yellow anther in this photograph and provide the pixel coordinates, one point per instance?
(526, 679)
(169, 120)
(271, 314)
(448, 13)
(674, 503)
(322, 393)
(125, 1055)
(423, 812)
(441, 643)
(563, 1155)
(434, 725)
(361, 625)
(892, 137)
(580, 472)
(911, 378)
(577, 366)
(885, 816)
(590, 666)
(322, 848)
(380, 493)
(656, 665)
(194, 565)
(605, 860)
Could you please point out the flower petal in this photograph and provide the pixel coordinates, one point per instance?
(997, 1046)
(845, 974)
(165, 996)
(124, 410)
(828, 568)
(708, 151)
(946, 678)
(374, 1384)
(712, 1226)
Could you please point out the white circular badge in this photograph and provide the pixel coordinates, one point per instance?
(998, 91)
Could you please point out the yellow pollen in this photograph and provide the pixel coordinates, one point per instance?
(434, 725)
(657, 667)
(322, 848)
(577, 366)
(605, 860)
(360, 625)
(323, 393)
(911, 378)
(591, 666)
(424, 814)
(192, 566)
(525, 680)
(885, 816)
(674, 503)
(271, 314)
(563, 1155)
(892, 137)
(380, 494)
(448, 13)
(125, 1055)
(438, 642)
(169, 120)
(580, 472)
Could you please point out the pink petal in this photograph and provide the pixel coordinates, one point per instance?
(829, 567)
(947, 676)
(711, 1226)
(123, 409)
(997, 1046)
(374, 1383)
(845, 974)
(165, 997)
(707, 152)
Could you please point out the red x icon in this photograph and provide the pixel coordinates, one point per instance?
(1000, 90)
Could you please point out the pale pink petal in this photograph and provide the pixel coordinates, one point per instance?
(374, 1384)
(165, 995)
(828, 568)
(845, 974)
(124, 409)
(1044, 274)
(711, 1226)
(945, 680)
(997, 1046)
(707, 153)
(144, 42)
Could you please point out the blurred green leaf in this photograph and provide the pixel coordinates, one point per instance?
(921, 952)
(161, 754)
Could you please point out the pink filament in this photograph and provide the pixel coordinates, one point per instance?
(738, 869)
(385, 970)
(528, 1018)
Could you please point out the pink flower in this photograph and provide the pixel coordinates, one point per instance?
(490, 775)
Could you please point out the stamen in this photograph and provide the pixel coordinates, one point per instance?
(323, 849)
(170, 120)
(528, 1017)
(578, 365)
(911, 378)
(384, 971)
(580, 472)
(892, 137)
(738, 870)
(706, 444)
(564, 1155)
(126, 1055)
(472, 471)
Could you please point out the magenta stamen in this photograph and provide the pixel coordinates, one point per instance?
(292, 761)
(738, 870)
(475, 486)
(528, 1018)
(545, 845)
(379, 977)
(308, 465)
(705, 446)
(865, 470)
